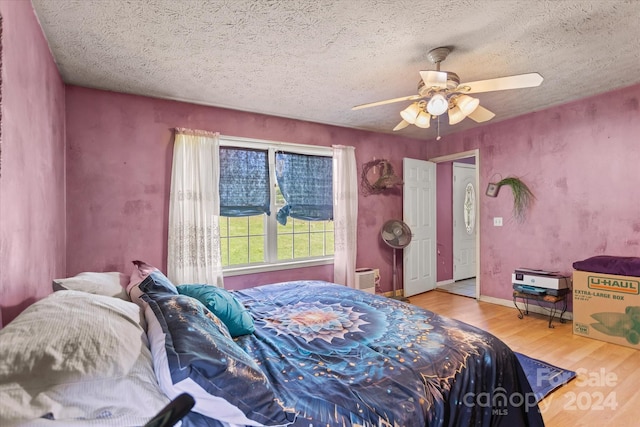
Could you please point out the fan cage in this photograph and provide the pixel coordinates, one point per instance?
(396, 234)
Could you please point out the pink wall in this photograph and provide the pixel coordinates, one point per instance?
(32, 196)
(119, 150)
(582, 162)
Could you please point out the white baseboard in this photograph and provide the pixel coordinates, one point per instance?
(533, 307)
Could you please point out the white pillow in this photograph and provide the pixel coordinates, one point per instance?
(72, 357)
(111, 284)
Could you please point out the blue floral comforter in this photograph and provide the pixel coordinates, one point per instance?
(342, 357)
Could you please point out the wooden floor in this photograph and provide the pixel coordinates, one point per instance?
(605, 392)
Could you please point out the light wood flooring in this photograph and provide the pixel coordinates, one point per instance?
(603, 393)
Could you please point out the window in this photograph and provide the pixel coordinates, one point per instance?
(261, 228)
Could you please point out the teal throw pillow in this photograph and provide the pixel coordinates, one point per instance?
(224, 305)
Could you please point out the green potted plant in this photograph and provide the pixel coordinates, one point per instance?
(522, 196)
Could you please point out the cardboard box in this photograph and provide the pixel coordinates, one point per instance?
(607, 307)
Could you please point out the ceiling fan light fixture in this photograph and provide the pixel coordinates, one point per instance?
(410, 114)
(440, 92)
(403, 124)
(467, 104)
(456, 115)
(423, 120)
(437, 105)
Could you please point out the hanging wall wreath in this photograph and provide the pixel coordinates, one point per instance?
(378, 176)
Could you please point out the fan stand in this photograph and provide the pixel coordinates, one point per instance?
(395, 280)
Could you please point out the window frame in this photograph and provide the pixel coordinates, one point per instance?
(271, 223)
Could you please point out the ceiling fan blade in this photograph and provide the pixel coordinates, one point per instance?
(388, 101)
(502, 83)
(434, 79)
(403, 124)
(481, 114)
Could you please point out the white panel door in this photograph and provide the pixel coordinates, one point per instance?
(419, 204)
(465, 199)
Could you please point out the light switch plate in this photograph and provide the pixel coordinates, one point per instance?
(497, 221)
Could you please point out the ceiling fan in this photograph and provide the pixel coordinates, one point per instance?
(441, 92)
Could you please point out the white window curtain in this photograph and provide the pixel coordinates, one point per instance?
(194, 208)
(345, 215)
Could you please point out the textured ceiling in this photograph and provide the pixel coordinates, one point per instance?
(314, 60)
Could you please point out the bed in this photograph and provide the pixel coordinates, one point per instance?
(303, 354)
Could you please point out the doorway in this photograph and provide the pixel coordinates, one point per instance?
(464, 221)
(458, 269)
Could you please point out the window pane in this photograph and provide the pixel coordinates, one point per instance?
(317, 244)
(329, 244)
(224, 226)
(238, 226)
(256, 225)
(283, 229)
(301, 245)
(317, 226)
(310, 239)
(300, 226)
(285, 246)
(224, 252)
(256, 249)
(246, 240)
(239, 250)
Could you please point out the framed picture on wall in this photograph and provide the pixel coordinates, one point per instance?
(492, 189)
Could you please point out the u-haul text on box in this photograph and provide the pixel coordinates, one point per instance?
(607, 307)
